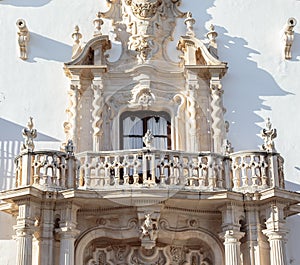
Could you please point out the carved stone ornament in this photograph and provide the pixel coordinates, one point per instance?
(189, 22)
(29, 134)
(149, 25)
(268, 134)
(144, 8)
(23, 38)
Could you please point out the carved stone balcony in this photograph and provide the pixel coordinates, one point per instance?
(246, 171)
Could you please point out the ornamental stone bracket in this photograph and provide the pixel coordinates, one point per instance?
(288, 37)
(23, 38)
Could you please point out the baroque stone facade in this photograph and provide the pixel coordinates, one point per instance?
(148, 175)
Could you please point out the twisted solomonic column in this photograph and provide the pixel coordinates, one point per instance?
(70, 125)
(191, 108)
(97, 113)
(217, 115)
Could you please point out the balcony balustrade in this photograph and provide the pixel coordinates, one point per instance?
(246, 171)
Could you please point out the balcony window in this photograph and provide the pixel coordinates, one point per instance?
(134, 125)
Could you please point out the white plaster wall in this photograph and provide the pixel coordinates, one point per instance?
(259, 83)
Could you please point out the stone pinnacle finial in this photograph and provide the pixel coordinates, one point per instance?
(69, 148)
(29, 134)
(76, 35)
(76, 46)
(212, 46)
(269, 134)
(212, 34)
(189, 22)
(98, 22)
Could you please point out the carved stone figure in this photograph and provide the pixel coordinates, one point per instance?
(148, 139)
(148, 228)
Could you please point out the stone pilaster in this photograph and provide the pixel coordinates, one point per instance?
(67, 239)
(67, 233)
(46, 240)
(255, 248)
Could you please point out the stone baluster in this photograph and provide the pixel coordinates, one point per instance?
(136, 166)
(276, 232)
(217, 114)
(253, 165)
(244, 166)
(211, 172)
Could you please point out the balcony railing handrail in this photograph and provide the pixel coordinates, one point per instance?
(241, 171)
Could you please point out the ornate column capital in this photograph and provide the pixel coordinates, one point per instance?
(231, 236)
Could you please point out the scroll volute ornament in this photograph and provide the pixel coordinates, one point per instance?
(144, 9)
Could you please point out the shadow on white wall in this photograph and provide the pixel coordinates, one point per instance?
(25, 3)
(45, 48)
(245, 84)
(296, 48)
(10, 143)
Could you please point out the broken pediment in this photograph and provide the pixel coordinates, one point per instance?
(93, 53)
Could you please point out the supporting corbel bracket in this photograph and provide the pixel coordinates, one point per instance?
(289, 37)
(23, 38)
